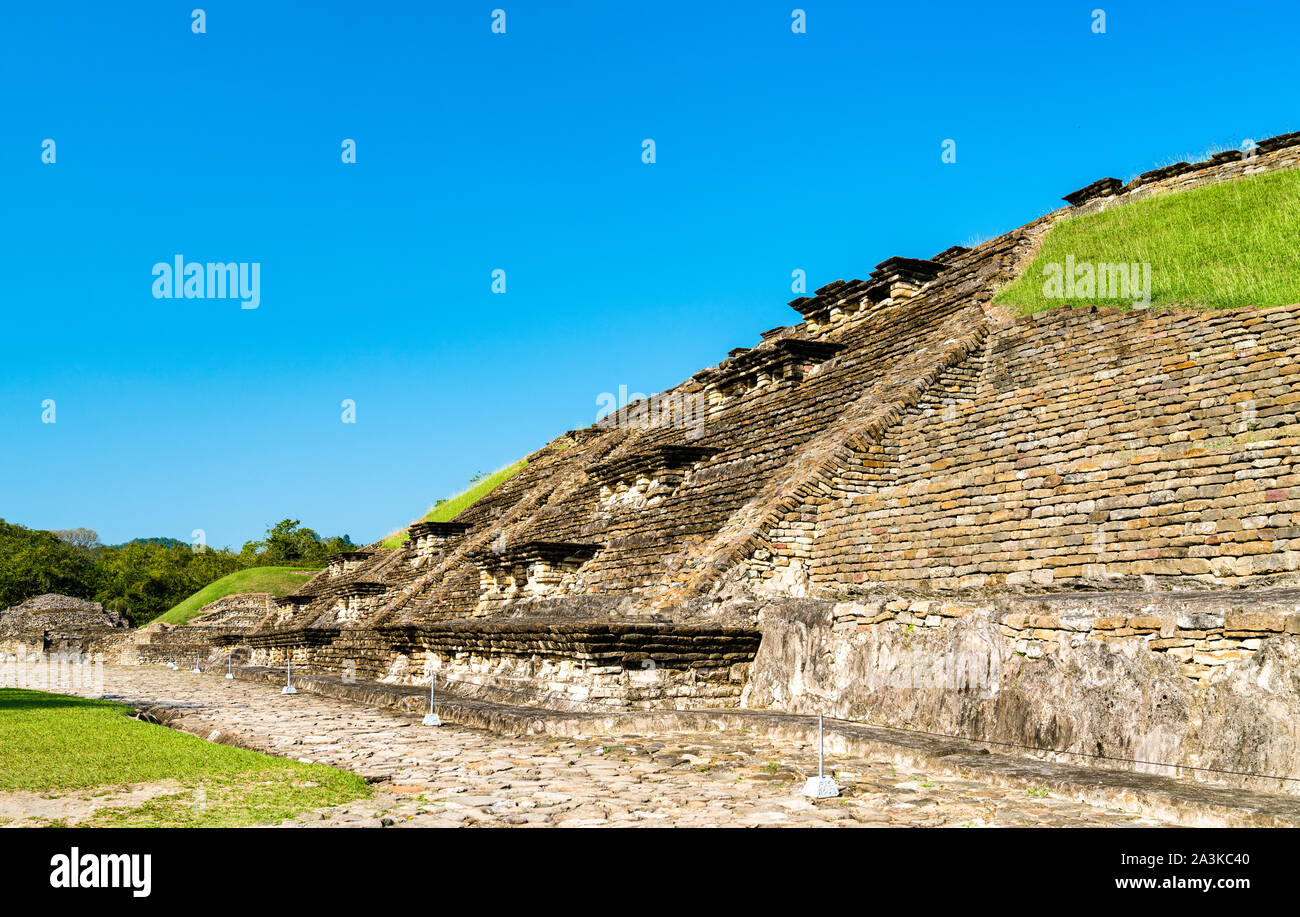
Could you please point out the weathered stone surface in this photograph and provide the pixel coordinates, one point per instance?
(57, 623)
(1250, 716)
(1121, 700)
(600, 662)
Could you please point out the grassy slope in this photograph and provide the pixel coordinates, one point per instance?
(55, 743)
(277, 580)
(1226, 245)
(450, 509)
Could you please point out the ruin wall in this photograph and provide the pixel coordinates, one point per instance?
(1090, 449)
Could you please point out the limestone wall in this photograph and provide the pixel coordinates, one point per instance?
(159, 644)
(620, 665)
(243, 610)
(1090, 449)
(1099, 676)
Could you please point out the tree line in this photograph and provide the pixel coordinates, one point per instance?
(143, 578)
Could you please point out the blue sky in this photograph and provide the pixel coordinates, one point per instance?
(522, 152)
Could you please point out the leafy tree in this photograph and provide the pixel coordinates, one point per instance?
(33, 562)
(166, 542)
(86, 539)
(288, 543)
(142, 579)
(145, 577)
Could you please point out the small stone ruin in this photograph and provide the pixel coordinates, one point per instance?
(57, 623)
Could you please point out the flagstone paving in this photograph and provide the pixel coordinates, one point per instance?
(452, 776)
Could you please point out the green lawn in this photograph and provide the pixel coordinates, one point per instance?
(448, 510)
(1227, 245)
(276, 580)
(52, 743)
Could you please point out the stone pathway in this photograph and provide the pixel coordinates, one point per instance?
(453, 776)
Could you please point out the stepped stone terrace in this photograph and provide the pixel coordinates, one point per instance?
(1077, 530)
